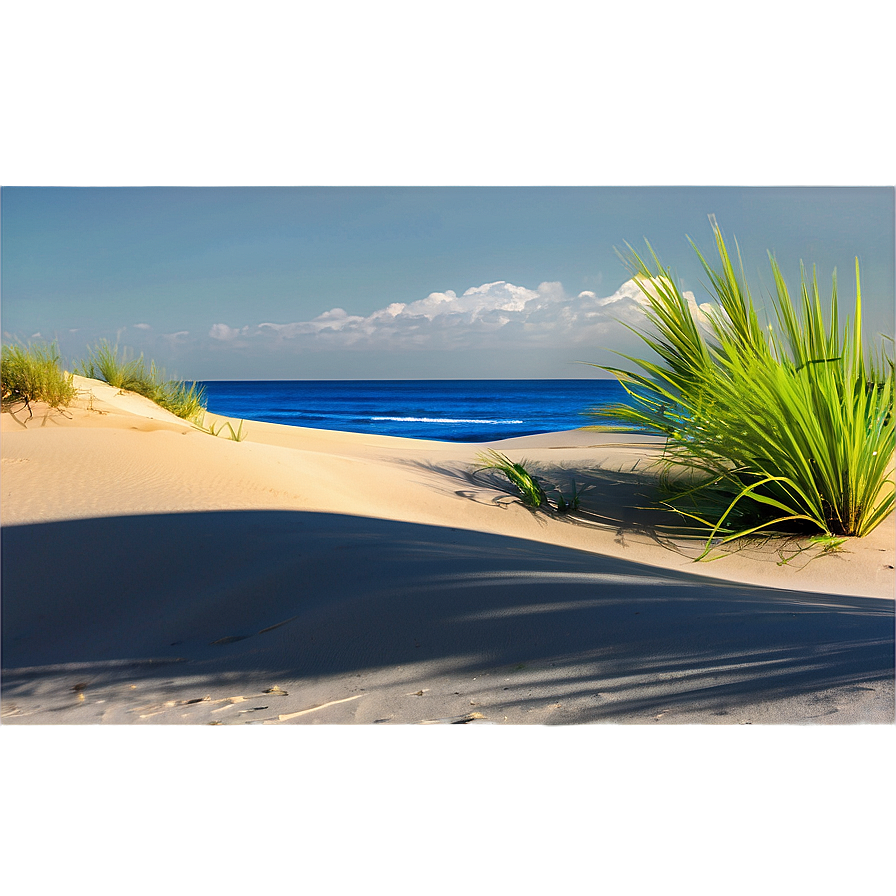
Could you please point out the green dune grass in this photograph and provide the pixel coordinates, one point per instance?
(787, 427)
(105, 362)
(33, 373)
(531, 488)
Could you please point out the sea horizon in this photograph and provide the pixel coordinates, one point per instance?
(455, 410)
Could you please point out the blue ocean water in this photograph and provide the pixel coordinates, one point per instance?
(445, 410)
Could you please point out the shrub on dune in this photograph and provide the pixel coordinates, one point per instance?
(33, 373)
(786, 429)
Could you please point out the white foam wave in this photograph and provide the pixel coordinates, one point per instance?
(442, 420)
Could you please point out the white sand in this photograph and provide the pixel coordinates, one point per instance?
(115, 505)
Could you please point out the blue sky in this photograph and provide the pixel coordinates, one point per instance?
(247, 282)
(396, 282)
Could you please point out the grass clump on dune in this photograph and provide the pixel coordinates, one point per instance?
(118, 369)
(530, 488)
(787, 429)
(33, 373)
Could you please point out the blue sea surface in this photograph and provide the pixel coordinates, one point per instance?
(444, 410)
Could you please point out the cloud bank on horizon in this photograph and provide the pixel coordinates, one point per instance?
(493, 315)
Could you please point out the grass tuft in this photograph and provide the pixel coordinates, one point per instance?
(33, 373)
(570, 504)
(117, 368)
(786, 429)
(530, 487)
(236, 435)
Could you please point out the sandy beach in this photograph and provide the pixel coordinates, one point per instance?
(153, 573)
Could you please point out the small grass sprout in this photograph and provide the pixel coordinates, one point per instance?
(236, 435)
(568, 505)
(33, 373)
(788, 429)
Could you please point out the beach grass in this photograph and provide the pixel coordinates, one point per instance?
(531, 491)
(34, 373)
(236, 435)
(787, 428)
(118, 368)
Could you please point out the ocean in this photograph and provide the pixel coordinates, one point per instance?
(444, 410)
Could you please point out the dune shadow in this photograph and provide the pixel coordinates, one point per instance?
(236, 596)
(626, 503)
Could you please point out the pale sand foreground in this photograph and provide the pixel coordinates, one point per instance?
(152, 572)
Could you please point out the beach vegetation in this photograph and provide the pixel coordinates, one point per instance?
(824, 544)
(236, 435)
(784, 426)
(120, 369)
(533, 491)
(528, 486)
(34, 373)
(566, 504)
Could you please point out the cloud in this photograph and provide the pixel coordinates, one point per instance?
(142, 327)
(173, 337)
(701, 313)
(493, 315)
(224, 333)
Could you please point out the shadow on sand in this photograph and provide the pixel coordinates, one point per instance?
(245, 597)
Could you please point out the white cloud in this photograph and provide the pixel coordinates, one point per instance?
(142, 327)
(173, 337)
(497, 314)
(225, 333)
(700, 312)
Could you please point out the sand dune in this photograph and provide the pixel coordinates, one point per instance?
(153, 572)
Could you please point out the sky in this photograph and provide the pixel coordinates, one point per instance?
(402, 282)
(393, 190)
